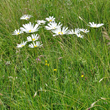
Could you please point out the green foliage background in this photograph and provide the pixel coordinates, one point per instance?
(20, 74)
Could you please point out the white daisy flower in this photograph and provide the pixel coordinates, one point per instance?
(25, 17)
(37, 44)
(41, 22)
(33, 37)
(95, 25)
(53, 25)
(60, 31)
(50, 19)
(21, 45)
(84, 30)
(71, 31)
(76, 31)
(79, 35)
(17, 32)
(29, 28)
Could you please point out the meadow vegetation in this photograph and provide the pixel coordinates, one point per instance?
(67, 72)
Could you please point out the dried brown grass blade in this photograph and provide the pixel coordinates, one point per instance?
(105, 34)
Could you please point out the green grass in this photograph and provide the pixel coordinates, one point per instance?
(63, 89)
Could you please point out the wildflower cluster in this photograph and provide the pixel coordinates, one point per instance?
(56, 28)
(46, 63)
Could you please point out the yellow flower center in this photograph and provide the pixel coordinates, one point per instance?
(50, 20)
(79, 36)
(29, 30)
(26, 18)
(18, 33)
(53, 28)
(35, 46)
(33, 39)
(22, 45)
(59, 32)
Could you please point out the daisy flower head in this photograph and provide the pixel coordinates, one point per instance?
(76, 31)
(41, 22)
(60, 31)
(53, 25)
(95, 25)
(79, 35)
(25, 17)
(37, 44)
(84, 30)
(71, 31)
(33, 37)
(21, 45)
(29, 28)
(17, 32)
(50, 19)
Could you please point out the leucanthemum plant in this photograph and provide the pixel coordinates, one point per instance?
(35, 44)
(60, 31)
(25, 17)
(33, 37)
(95, 25)
(76, 31)
(55, 28)
(29, 28)
(79, 35)
(17, 32)
(53, 25)
(50, 19)
(41, 22)
(84, 30)
(22, 44)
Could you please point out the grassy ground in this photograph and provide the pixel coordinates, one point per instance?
(26, 84)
